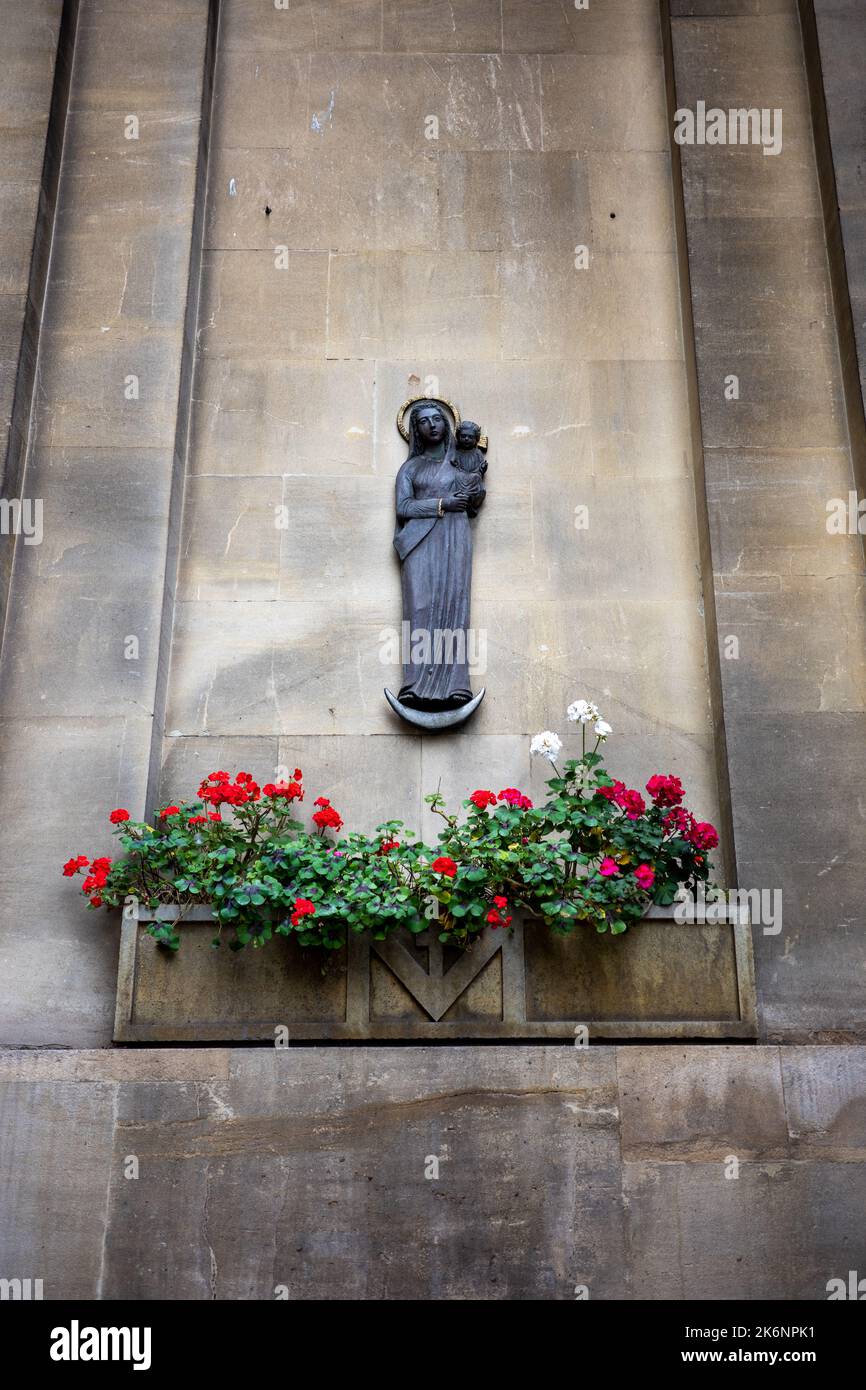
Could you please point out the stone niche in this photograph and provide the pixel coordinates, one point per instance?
(356, 252)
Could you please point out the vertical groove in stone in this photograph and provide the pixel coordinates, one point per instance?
(184, 410)
(853, 371)
(714, 673)
(17, 442)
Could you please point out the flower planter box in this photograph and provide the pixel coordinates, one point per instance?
(659, 980)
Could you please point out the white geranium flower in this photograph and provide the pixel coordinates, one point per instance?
(546, 745)
(583, 712)
(602, 729)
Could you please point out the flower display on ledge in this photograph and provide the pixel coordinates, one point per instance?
(597, 853)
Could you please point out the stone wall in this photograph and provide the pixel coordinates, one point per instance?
(596, 1173)
(75, 711)
(787, 591)
(408, 259)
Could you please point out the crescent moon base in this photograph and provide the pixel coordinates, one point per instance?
(435, 719)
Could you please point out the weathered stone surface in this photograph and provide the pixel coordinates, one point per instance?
(780, 1230)
(685, 1102)
(368, 200)
(633, 25)
(56, 1154)
(369, 779)
(399, 305)
(58, 958)
(444, 264)
(372, 1126)
(271, 99)
(74, 710)
(579, 114)
(258, 416)
(232, 544)
(95, 578)
(825, 1101)
(774, 457)
(321, 24)
(805, 971)
(419, 26)
(261, 1167)
(101, 1066)
(251, 307)
(294, 668)
(681, 976)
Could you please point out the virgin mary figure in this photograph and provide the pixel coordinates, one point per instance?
(434, 542)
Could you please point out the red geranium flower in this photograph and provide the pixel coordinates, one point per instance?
(327, 818)
(387, 845)
(72, 866)
(483, 799)
(303, 908)
(197, 820)
(118, 816)
(645, 875)
(169, 811)
(494, 918)
(289, 791)
(444, 865)
(608, 867)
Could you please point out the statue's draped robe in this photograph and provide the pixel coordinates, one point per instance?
(436, 555)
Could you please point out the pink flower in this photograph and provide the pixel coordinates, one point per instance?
(608, 867)
(612, 793)
(514, 797)
(632, 803)
(645, 875)
(665, 791)
(704, 835)
(679, 821)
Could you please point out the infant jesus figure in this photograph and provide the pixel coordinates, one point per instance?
(470, 462)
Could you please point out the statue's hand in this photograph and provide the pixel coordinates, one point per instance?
(457, 502)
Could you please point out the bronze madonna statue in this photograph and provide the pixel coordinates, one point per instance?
(439, 488)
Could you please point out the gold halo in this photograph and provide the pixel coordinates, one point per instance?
(430, 400)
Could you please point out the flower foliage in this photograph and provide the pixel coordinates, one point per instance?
(597, 853)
